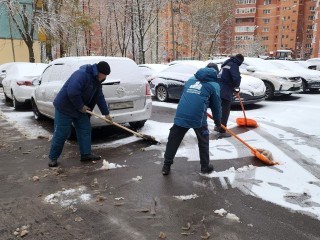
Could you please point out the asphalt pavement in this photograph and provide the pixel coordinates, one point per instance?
(83, 201)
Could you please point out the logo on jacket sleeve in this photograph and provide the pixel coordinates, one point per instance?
(195, 88)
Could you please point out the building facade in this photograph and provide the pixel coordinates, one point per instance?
(277, 25)
(12, 47)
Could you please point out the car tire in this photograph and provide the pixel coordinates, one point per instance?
(36, 113)
(162, 93)
(7, 99)
(304, 86)
(137, 124)
(15, 103)
(269, 90)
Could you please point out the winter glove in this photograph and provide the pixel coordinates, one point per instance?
(108, 117)
(84, 109)
(236, 90)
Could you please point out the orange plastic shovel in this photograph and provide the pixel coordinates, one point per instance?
(245, 121)
(258, 153)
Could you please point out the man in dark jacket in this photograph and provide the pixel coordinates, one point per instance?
(200, 93)
(229, 79)
(81, 92)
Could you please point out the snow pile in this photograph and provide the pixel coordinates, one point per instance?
(106, 165)
(222, 212)
(187, 197)
(69, 197)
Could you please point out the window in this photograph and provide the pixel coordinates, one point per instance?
(265, 38)
(267, 2)
(308, 45)
(245, 10)
(243, 38)
(265, 30)
(245, 28)
(311, 17)
(266, 20)
(266, 11)
(246, 1)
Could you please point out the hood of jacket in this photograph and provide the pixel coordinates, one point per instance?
(234, 59)
(206, 75)
(91, 69)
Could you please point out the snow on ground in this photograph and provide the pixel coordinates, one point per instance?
(293, 123)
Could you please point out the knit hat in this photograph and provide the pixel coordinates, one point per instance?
(104, 68)
(240, 58)
(214, 66)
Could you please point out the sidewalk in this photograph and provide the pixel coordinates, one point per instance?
(132, 202)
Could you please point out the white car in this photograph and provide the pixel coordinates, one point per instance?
(310, 78)
(277, 81)
(149, 69)
(126, 90)
(315, 62)
(169, 83)
(17, 82)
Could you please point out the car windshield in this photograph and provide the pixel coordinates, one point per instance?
(182, 68)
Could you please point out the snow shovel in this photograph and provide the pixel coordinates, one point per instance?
(245, 121)
(143, 136)
(264, 155)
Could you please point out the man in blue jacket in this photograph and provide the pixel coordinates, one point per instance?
(229, 79)
(81, 92)
(200, 93)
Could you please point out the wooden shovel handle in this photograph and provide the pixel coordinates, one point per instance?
(235, 135)
(115, 124)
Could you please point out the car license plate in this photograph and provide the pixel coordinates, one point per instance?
(120, 105)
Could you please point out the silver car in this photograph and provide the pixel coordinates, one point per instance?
(126, 90)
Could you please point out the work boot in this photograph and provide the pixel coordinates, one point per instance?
(224, 135)
(166, 169)
(53, 163)
(207, 170)
(89, 157)
(217, 129)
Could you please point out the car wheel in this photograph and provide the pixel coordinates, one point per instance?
(7, 99)
(304, 86)
(269, 90)
(15, 103)
(162, 93)
(37, 115)
(138, 124)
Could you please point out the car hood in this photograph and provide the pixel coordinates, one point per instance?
(251, 85)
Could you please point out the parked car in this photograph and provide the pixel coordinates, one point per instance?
(149, 69)
(3, 72)
(126, 90)
(17, 82)
(314, 61)
(305, 64)
(310, 78)
(278, 81)
(169, 83)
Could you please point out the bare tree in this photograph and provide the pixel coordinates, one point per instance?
(210, 22)
(24, 16)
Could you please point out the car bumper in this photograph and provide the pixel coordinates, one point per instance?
(134, 116)
(247, 99)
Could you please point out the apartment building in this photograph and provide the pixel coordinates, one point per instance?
(276, 24)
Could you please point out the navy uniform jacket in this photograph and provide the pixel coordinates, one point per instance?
(82, 88)
(229, 77)
(200, 93)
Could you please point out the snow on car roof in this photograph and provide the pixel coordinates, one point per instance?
(26, 68)
(154, 66)
(292, 66)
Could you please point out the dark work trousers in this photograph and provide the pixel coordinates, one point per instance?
(225, 106)
(175, 137)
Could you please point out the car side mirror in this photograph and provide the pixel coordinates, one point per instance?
(3, 73)
(36, 81)
(251, 69)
